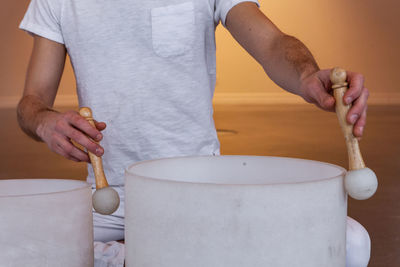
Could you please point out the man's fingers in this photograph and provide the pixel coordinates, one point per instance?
(82, 124)
(358, 107)
(324, 77)
(69, 151)
(321, 97)
(59, 150)
(75, 152)
(329, 102)
(356, 82)
(100, 126)
(82, 139)
(358, 128)
(65, 129)
(70, 135)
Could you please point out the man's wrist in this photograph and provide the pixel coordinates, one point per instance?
(307, 72)
(41, 121)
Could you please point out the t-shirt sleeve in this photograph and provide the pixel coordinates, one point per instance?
(43, 18)
(222, 8)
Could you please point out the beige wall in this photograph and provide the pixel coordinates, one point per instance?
(361, 35)
(15, 49)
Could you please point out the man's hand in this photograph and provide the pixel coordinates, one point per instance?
(316, 89)
(289, 63)
(60, 130)
(36, 116)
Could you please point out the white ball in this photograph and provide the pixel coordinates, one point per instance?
(361, 184)
(105, 200)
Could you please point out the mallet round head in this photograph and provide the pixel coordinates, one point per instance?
(105, 200)
(361, 184)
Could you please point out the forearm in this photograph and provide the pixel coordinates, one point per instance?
(31, 112)
(42, 79)
(285, 59)
(288, 62)
(40, 121)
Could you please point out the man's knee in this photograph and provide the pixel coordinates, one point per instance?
(358, 244)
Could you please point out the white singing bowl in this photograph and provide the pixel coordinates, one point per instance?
(235, 211)
(46, 222)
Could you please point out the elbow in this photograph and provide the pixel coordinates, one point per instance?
(20, 111)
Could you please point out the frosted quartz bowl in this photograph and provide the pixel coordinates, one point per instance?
(46, 222)
(235, 211)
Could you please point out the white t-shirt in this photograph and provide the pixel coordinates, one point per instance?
(146, 68)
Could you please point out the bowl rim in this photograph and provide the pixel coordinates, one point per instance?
(129, 171)
(82, 185)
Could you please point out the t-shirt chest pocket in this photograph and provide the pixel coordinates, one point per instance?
(173, 29)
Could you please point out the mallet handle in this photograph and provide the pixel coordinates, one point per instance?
(96, 161)
(339, 86)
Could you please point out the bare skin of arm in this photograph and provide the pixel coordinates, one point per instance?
(289, 63)
(36, 115)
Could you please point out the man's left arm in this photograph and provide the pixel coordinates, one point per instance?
(289, 63)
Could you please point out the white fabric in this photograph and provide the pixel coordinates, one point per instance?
(110, 254)
(43, 19)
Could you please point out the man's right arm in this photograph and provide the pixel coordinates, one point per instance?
(36, 116)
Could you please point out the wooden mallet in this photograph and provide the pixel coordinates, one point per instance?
(360, 182)
(105, 199)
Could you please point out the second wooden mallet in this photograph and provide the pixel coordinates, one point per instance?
(360, 182)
